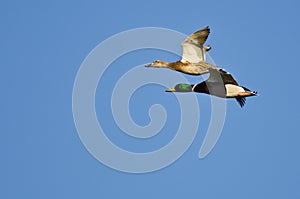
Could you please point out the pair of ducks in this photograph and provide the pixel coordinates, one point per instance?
(220, 83)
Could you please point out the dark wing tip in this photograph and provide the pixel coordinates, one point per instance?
(241, 101)
(207, 28)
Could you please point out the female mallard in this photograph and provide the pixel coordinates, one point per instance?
(193, 60)
(219, 83)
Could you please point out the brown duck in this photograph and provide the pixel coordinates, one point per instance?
(193, 60)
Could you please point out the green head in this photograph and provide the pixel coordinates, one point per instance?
(181, 88)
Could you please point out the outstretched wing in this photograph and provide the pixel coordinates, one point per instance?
(219, 75)
(192, 47)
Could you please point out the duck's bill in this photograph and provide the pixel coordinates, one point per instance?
(171, 90)
(148, 65)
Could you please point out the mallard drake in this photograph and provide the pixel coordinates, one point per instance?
(220, 83)
(193, 59)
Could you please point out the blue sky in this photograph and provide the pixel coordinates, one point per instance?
(42, 47)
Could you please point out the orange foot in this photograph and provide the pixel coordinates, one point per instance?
(246, 94)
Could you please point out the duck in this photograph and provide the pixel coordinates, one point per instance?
(193, 61)
(219, 83)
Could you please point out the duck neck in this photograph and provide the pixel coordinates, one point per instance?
(165, 64)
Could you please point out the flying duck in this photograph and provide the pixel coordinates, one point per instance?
(221, 84)
(193, 59)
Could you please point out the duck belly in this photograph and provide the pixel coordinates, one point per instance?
(233, 90)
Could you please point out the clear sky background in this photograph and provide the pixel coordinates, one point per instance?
(42, 47)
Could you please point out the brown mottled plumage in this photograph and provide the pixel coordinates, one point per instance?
(184, 67)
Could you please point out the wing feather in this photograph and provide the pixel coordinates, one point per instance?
(192, 47)
(219, 75)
